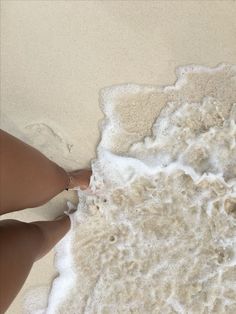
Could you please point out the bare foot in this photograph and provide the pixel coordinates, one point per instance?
(80, 178)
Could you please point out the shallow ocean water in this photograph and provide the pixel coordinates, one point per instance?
(158, 232)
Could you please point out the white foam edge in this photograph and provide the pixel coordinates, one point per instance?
(182, 73)
(107, 96)
(64, 265)
(127, 168)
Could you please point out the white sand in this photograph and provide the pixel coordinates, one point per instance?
(56, 55)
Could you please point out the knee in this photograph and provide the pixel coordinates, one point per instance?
(22, 234)
(9, 224)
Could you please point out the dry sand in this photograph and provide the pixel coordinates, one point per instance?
(57, 55)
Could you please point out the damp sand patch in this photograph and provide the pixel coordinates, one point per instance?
(158, 234)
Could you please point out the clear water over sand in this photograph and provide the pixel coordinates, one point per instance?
(158, 233)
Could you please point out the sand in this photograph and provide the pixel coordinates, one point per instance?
(57, 55)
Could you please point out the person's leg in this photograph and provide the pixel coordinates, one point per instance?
(27, 177)
(21, 244)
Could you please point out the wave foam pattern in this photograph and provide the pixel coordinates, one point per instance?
(158, 234)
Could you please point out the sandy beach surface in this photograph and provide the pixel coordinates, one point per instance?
(57, 55)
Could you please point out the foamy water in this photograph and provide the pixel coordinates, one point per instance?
(158, 233)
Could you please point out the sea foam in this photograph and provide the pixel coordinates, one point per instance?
(158, 232)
